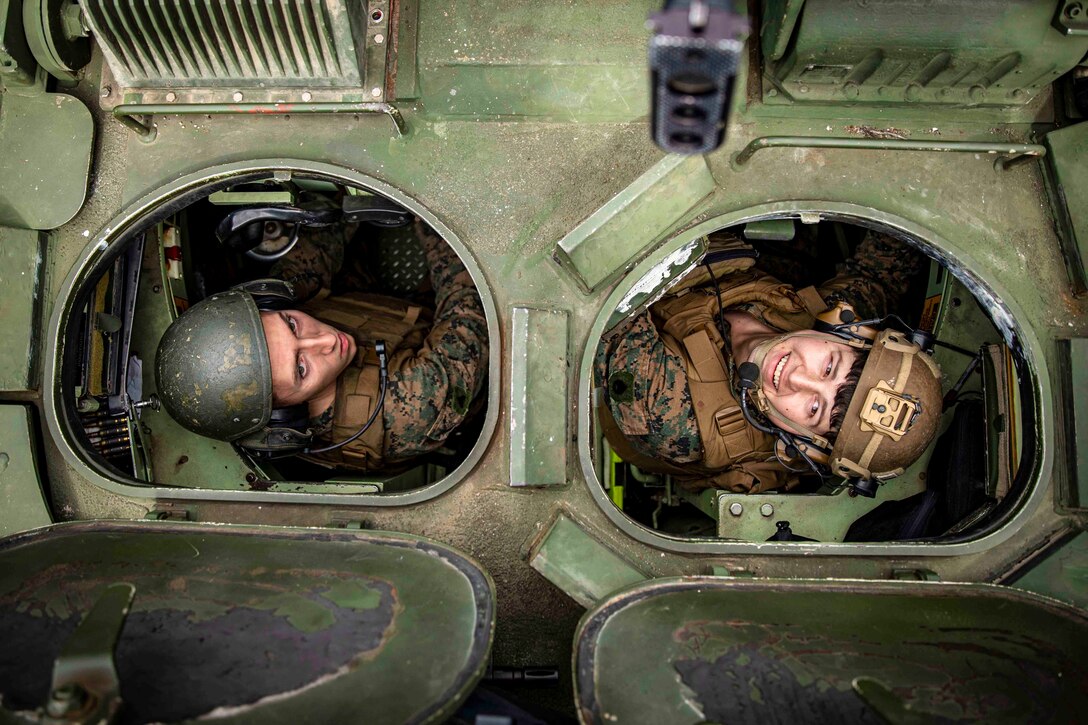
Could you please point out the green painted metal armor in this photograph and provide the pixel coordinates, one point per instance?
(518, 131)
(715, 650)
(256, 627)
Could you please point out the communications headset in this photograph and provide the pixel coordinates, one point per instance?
(803, 451)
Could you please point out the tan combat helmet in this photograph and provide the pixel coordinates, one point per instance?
(890, 420)
(893, 415)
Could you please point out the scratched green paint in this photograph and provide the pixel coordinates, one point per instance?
(442, 602)
(353, 595)
(943, 636)
(22, 500)
(20, 278)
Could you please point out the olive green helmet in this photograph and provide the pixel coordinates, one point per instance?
(894, 413)
(212, 368)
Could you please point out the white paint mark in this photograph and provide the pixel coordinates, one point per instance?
(657, 276)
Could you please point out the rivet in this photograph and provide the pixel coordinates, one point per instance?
(377, 92)
(736, 508)
(237, 96)
(766, 509)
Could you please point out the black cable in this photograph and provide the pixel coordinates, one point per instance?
(383, 377)
(953, 394)
(788, 439)
(956, 348)
(903, 327)
(721, 312)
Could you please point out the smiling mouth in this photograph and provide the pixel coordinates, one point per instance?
(776, 378)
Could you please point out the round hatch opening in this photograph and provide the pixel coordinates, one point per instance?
(165, 308)
(666, 369)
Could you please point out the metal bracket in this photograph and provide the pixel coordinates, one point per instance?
(85, 684)
(1008, 154)
(1072, 17)
(914, 575)
(130, 114)
(167, 514)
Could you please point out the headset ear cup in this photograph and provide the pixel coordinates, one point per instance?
(291, 416)
(816, 454)
(270, 294)
(839, 314)
(841, 320)
(288, 431)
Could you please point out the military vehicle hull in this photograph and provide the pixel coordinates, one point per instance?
(519, 132)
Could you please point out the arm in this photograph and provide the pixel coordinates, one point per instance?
(874, 279)
(432, 389)
(317, 256)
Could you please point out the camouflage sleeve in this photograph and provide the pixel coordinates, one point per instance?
(646, 388)
(432, 392)
(317, 256)
(875, 278)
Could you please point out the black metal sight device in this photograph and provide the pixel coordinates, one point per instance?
(694, 54)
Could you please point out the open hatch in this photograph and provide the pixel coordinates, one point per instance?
(195, 245)
(967, 480)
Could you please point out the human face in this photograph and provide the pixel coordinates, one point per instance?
(307, 357)
(801, 375)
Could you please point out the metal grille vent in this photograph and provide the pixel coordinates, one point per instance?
(239, 43)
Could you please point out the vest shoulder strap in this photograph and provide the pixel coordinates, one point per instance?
(357, 392)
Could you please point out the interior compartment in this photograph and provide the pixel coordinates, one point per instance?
(188, 251)
(968, 478)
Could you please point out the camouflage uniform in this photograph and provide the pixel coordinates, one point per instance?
(646, 384)
(433, 384)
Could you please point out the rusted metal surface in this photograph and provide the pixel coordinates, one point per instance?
(226, 622)
(775, 651)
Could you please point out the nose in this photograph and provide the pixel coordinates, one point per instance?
(803, 380)
(322, 342)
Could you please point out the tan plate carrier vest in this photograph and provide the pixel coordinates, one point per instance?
(687, 320)
(367, 317)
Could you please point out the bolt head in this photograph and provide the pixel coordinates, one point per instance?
(379, 39)
(376, 92)
(307, 96)
(106, 91)
(237, 96)
(766, 509)
(171, 97)
(736, 508)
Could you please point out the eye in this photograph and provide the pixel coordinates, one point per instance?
(292, 324)
(827, 371)
(814, 408)
(301, 368)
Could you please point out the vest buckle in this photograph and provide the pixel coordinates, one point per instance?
(734, 431)
(729, 420)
